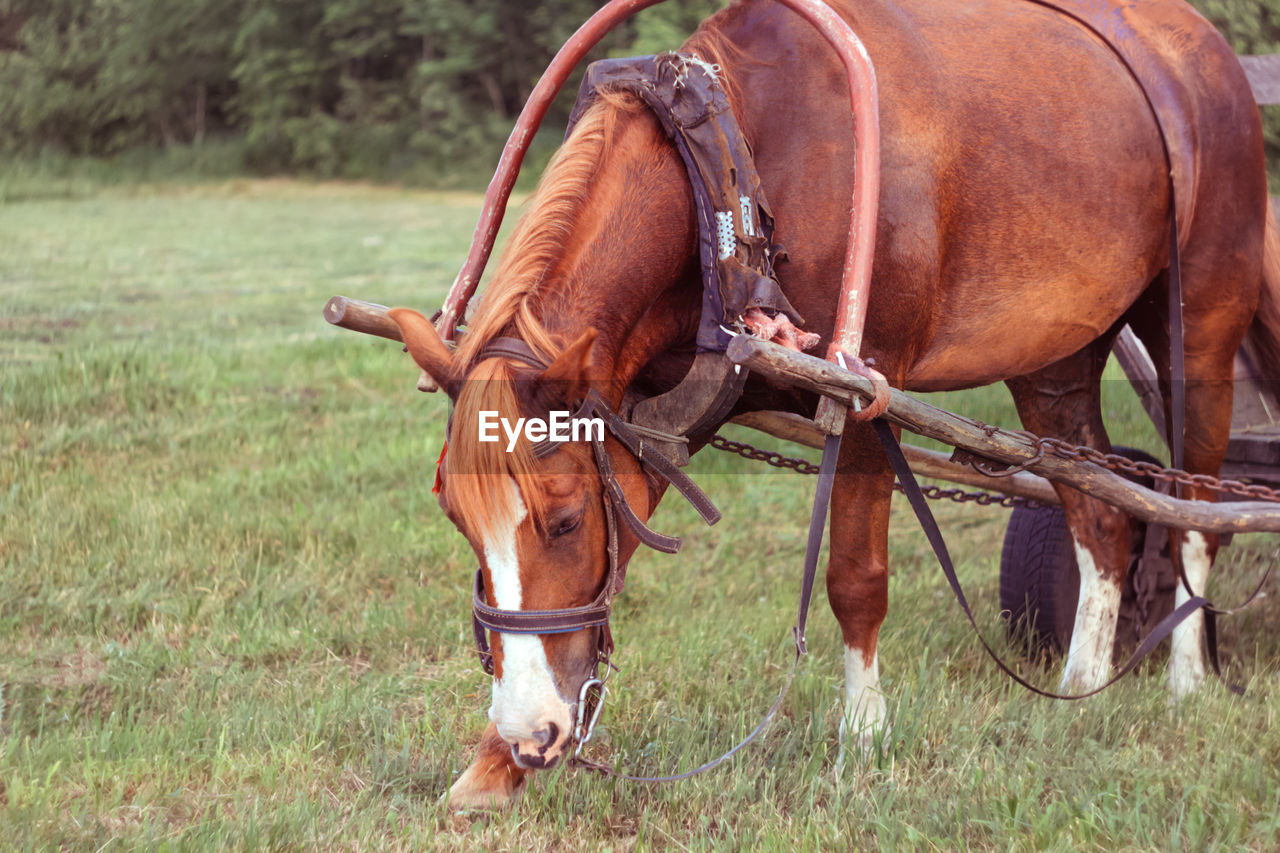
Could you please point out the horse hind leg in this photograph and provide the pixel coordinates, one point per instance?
(1063, 401)
(1212, 330)
(858, 580)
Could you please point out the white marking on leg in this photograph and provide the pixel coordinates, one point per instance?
(1186, 662)
(1094, 634)
(864, 709)
(525, 699)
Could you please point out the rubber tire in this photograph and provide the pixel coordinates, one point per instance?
(1039, 578)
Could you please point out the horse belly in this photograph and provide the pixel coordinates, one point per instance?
(991, 352)
(1051, 212)
(1021, 288)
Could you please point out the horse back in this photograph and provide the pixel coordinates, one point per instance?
(1023, 180)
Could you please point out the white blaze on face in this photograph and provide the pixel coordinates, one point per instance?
(1186, 663)
(525, 698)
(1089, 660)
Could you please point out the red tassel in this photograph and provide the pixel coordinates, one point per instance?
(435, 490)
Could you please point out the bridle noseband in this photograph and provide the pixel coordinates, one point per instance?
(616, 508)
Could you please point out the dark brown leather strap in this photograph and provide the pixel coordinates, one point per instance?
(1177, 368)
(512, 348)
(618, 505)
(537, 621)
(921, 506)
(817, 524)
(595, 405)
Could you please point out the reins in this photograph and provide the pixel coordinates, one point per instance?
(661, 82)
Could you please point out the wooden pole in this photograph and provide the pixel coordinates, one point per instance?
(794, 369)
(367, 317)
(924, 462)
(788, 367)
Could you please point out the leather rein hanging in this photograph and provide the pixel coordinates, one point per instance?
(682, 92)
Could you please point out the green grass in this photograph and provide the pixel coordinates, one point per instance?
(50, 174)
(231, 614)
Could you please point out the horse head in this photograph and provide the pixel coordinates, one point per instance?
(537, 513)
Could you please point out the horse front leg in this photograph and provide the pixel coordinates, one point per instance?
(858, 579)
(493, 780)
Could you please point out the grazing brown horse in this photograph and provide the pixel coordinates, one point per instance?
(1024, 219)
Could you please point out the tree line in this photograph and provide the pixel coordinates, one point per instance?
(327, 87)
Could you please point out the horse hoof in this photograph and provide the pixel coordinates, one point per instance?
(1183, 682)
(868, 733)
(1083, 677)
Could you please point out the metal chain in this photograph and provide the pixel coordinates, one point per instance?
(937, 493)
(777, 460)
(1124, 465)
(1061, 449)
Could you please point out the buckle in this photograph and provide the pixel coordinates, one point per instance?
(588, 712)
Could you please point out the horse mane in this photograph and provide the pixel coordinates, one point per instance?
(513, 302)
(477, 471)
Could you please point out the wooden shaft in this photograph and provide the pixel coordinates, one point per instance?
(367, 317)
(924, 462)
(1136, 363)
(791, 368)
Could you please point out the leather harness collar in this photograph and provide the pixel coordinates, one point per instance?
(735, 227)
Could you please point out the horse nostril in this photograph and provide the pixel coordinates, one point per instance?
(548, 736)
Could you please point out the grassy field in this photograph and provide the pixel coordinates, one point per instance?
(231, 614)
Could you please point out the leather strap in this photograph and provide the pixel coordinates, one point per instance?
(817, 524)
(537, 621)
(514, 349)
(1177, 367)
(620, 506)
(921, 507)
(649, 456)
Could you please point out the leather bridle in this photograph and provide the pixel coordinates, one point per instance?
(616, 510)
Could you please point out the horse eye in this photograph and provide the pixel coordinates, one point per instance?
(566, 526)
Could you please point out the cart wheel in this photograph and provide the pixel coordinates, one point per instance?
(1040, 582)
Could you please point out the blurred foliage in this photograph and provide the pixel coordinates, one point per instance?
(333, 88)
(1252, 27)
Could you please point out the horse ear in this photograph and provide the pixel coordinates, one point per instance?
(568, 373)
(425, 345)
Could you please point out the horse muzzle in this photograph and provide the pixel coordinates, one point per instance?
(543, 747)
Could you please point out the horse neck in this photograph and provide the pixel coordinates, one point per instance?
(624, 270)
